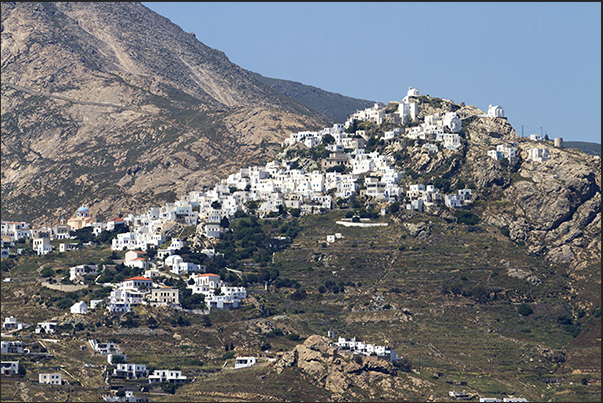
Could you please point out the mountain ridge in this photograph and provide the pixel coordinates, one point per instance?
(82, 62)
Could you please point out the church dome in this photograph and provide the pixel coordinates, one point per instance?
(82, 209)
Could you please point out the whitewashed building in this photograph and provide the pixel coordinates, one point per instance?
(538, 154)
(79, 308)
(54, 378)
(166, 375)
(244, 362)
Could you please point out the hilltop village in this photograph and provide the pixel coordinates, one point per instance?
(154, 259)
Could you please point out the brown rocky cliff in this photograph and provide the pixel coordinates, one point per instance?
(320, 362)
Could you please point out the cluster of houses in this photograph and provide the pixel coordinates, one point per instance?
(279, 185)
(510, 150)
(143, 290)
(11, 368)
(360, 348)
(134, 371)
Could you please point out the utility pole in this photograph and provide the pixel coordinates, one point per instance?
(522, 131)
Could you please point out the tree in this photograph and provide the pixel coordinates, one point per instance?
(216, 205)
(64, 303)
(118, 359)
(403, 364)
(152, 322)
(524, 309)
(328, 139)
(47, 272)
(120, 393)
(224, 222)
(298, 295)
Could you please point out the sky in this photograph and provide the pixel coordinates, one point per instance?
(540, 61)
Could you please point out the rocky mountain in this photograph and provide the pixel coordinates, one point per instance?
(113, 106)
(553, 207)
(320, 362)
(338, 106)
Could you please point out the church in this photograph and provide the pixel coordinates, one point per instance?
(81, 219)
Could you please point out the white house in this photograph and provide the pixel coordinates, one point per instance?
(67, 247)
(82, 270)
(430, 148)
(79, 307)
(165, 296)
(130, 371)
(42, 245)
(495, 155)
(538, 154)
(104, 348)
(508, 150)
(16, 230)
(11, 323)
(12, 347)
(137, 283)
(186, 268)
(452, 201)
(54, 378)
(452, 121)
(133, 254)
(496, 111)
(452, 141)
(166, 375)
(243, 362)
(9, 367)
(47, 327)
(536, 137)
(358, 347)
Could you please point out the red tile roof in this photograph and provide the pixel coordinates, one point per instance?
(117, 219)
(139, 278)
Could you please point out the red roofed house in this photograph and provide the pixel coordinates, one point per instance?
(134, 254)
(205, 282)
(138, 282)
(139, 262)
(115, 223)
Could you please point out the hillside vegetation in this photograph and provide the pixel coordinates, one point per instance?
(496, 299)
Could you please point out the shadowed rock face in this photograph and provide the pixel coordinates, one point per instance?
(113, 106)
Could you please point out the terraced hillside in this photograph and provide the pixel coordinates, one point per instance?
(461, 303)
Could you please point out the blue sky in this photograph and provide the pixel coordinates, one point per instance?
(540, 61)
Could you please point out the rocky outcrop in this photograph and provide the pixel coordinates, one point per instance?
(555, 207)
(321, 363)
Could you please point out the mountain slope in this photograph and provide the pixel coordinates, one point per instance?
(113, 106)
(332, 104)
(584, 146)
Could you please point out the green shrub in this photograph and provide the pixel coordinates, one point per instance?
(64, 303)
(466, 217)
(47, 272)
